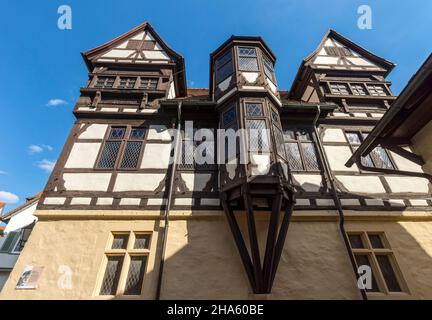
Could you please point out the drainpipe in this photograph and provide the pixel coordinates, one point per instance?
(169, 201)
(331, 181)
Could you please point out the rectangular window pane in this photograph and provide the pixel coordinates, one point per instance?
(142, 241)
(127, 83)
(247, 52)
(388, 273)
(289, 135)
(353, 138)
(310, 157)
(229, 116)
(120, 241)
(117, 133)
(376, 242)
(137, 133)
(254, 110)
(293, 154)
(275, 118)
(381, 159)
(248, 64)
(131, 154)
(268, 67)
(279, 141)
(339, 88)
(224, 72)
(356, 241)
(366, 161)
(358, 90)
(112, 275)
(109, 155)
(258, 136)
(135, 275)
(363, 260)
(104, 82)
(149, 84)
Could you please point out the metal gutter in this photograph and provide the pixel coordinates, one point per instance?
(169, 201)
(330, 178)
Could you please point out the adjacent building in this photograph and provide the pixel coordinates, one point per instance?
(129, 214)
(19, 224)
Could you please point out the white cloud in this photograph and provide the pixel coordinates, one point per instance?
(8, 197)
(34, 149)
(56, 102)
(46, 165)
(3, 172)
(48, 147)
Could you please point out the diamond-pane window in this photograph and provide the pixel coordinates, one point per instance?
(117, 133)
(135, 276)
(112, 276)
(254, 110)
(109, 155)
(279, 141)
(120, 241)
(149, 84)
(142, 241)
(131, 154)
(137, 133)
(247, 52)
(268, 68)
(258, 136)
(248, 59)
(301, 151)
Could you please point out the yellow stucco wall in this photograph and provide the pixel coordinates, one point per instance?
(422, 145)
(202, 261)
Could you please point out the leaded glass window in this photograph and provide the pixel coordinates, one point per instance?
(109, 155)
(133, 149)
(224, 67)
(120, 241)
(142, 241)
(378, 158)
(248, 59)
(254, 110)
(104, 82)
(135, 276)
(258, 136)
(112, 276)
(300, 150)
(229, 117)
(149, 84)
(268, 68)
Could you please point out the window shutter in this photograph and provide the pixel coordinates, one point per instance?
(10, 242)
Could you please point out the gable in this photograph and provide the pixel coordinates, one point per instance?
(334, 55)
(139, 48)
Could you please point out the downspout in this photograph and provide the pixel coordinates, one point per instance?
(331, 181)
(169, 201)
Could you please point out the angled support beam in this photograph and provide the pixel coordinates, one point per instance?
(281, 240)
(241, 246)
(271, 240)
(256, 260)
(406, 154)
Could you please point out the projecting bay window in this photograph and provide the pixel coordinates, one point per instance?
(378, 158)
(248, 60)
(372, 249)
(258, 135)
(122, 148)
(376, 90)
(104, 82)
(224, 67)
(300, 149)
(125, 264)
(339, 89)
(268, 68)
(358, 89)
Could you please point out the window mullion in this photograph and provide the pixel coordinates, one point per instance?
(123, 274)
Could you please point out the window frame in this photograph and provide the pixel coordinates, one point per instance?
(360, 133)
(127, 254)
(299, 146)
(371, 252)
(105, 81)
(218, 67)
(147, 79)
(122, 148)
(247, 56)
(266, 60)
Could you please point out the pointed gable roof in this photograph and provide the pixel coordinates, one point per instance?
(140, 46)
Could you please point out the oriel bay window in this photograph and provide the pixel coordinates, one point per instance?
(268, 68)
(125, 264)
(122, 148)
(373, 250)
(378, 158)
(301, 150)
(376, 90)
(258, 135)
(339, 88)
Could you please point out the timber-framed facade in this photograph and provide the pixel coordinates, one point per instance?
(128, 211)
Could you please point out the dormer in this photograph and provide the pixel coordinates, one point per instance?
(244, 64)
(137, 62)
(343, 72)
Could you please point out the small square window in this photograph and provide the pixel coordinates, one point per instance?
(376, 241)
(356, 241)
(120, 241)
(142, 241)
(117, 133)
(254, 110)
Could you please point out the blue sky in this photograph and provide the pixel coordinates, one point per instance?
(41, 63)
